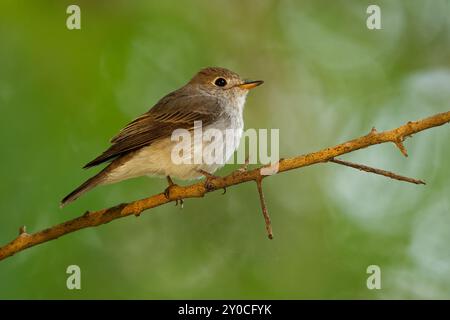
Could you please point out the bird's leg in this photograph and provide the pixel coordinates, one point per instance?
(208, 185)
(167, 191)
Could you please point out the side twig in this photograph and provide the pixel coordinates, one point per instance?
(377, 171)
(264, 208)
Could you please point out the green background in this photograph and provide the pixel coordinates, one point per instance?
(64, 93)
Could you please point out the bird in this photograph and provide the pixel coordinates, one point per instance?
(214, 97)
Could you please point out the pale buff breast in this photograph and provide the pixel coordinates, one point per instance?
(156, 159)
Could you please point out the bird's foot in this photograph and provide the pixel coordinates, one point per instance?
(208, 184)
(167, 192)
(171, 185)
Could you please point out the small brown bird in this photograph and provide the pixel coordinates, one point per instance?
(215, 96)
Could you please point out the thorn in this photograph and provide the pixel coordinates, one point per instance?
(22, 230)
(86, 213)
(264, 208)
(401, 147)
(373, 131)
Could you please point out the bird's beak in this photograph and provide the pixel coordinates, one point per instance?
(248, 84)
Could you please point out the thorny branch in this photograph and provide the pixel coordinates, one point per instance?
(92, 219)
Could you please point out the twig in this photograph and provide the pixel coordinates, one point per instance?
(400, 146)
(92, 219)
(264, 208)
(377, 171)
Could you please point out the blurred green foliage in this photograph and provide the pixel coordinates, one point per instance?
(64, 93)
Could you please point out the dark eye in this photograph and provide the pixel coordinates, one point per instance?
(220, 82)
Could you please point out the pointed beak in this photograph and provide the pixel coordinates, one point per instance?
(249, 84)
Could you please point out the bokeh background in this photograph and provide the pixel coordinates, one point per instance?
(64, 93)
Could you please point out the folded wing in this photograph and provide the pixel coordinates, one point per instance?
(177, 110)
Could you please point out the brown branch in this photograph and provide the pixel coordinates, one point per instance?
(264, 208)
(92, 219)
(400, 146)
(385, 173)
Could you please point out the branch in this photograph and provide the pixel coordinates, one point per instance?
(264, 208)
(92, 219)
(377, 171)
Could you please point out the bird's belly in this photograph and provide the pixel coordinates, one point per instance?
(157, 160)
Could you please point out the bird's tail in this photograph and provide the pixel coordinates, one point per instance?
(85, 187)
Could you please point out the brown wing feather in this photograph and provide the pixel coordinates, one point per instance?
(176, 110)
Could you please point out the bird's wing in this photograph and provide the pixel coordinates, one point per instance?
(177, 110)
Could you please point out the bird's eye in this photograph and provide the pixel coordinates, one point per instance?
(220, 82)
